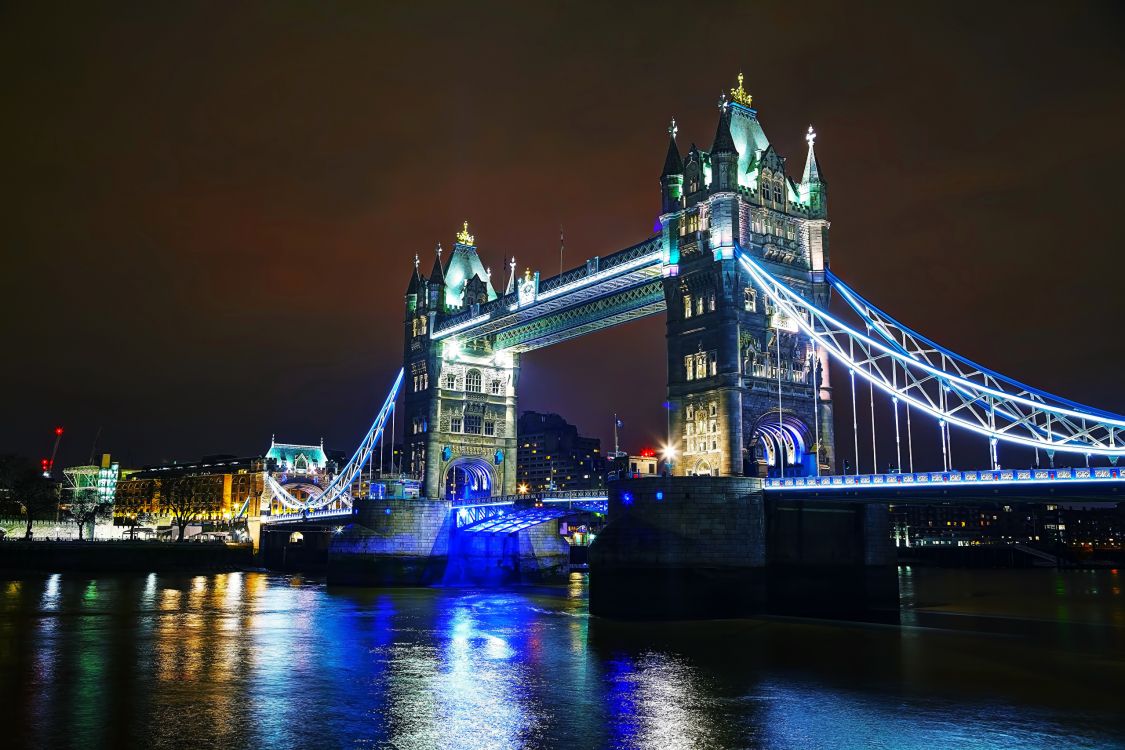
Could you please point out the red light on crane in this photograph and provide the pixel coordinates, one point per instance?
(648, 453)
(58, 431)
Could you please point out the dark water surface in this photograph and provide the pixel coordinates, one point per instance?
(985, 659)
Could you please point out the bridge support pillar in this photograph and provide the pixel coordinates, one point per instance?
(392, 543)
(709, 547)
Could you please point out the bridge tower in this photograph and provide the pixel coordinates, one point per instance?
(747, 393)
(460, 402)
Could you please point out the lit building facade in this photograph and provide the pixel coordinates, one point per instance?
(748, 393)
(216, 488)
(552, 455)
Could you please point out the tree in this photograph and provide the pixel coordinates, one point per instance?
(86, 507)
(25, 485)
(183, 504)
(135, 520)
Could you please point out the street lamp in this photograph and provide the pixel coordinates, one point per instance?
(668, 453)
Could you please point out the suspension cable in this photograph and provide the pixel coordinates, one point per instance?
(780, 419)
(816, 407)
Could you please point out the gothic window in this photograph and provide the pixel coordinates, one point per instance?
(777, 193)
(711, 302)
(699, 306)
(449, 381)
(494, 387)
(750, 299)
(472, 424)
(712, 364)
(472, 381)
(687, 305)
(688, 411)
(756, 225)
(689, 367)
(455, 424)
(489, 427)
(693, 184)
(790, 231)
(712, 409)
(764, 187)
(701, 365)
(693, 222)
(723, 175)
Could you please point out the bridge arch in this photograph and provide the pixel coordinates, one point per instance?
(468, 478)
(784, 440)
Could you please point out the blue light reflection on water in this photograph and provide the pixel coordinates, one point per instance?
(256, 660)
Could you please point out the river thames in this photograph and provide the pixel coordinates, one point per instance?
(984, 659)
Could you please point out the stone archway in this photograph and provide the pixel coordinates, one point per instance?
(468, 478)
(782, 442)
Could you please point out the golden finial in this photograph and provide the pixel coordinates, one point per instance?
(527, 274)
(463, 236)
(741, 95)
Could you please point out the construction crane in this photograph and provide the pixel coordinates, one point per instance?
(49, 464)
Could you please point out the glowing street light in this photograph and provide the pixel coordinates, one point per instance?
(522, 489)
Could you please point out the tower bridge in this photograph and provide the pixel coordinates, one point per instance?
(740, 267)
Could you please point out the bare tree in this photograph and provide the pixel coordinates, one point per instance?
(183, 504)
(26, 486)
(86, 507)
(137, 519)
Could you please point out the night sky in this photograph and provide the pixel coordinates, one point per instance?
(209, 211)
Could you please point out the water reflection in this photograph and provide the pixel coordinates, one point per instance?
(1011, 659)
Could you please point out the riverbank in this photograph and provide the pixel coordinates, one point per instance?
(125, 556)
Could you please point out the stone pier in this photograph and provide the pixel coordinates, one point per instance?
(395, 542)
(711, 547)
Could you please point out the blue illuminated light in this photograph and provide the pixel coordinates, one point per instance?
(659, 495)
(387, 511)
(627, 498)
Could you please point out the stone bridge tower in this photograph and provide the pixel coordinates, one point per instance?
(747, 393)
(460, 415)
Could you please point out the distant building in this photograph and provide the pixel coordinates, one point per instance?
(644, 464)
(1092, 526)
(552, 455)
(217, 486)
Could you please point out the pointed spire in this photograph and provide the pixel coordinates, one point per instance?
(812, 166)
(673, 164)
(511, 287)
(724, 143)
(416, 279)
(437, 275)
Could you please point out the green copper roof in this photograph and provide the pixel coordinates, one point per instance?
(463, 265)
(288, 454)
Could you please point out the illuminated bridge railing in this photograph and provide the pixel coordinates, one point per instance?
(476, 510)
(999, 477)
(324, 514)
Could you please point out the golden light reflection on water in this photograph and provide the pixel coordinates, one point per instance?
(256, 660)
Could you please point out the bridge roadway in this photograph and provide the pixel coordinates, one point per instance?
(1096, 484)
(1028, 485)
(602, 292)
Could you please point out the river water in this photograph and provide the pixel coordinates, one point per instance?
(984, 659)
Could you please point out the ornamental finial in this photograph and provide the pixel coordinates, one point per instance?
(810, 136)
(463, 236)
(741, 95)
(672, 129)
(723, 103)
(416, 261)
(439, 249)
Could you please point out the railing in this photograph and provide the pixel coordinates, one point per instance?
(531, 498)
(950, 478)
(547, 287)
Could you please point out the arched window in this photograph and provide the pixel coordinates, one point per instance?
(495, 387)
(472, 381)
(751, 299)
(449, 381)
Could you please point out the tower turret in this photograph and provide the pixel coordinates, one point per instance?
(436, 287)
(672, 177)
(724, 154)
(414, 288)
(814, 190)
